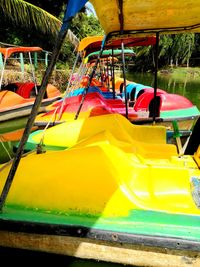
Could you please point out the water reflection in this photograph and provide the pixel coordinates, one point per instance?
(184, 85)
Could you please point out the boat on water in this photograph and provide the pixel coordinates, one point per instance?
(17, 98)
(178, 119)
(110, 196)
(141, 104)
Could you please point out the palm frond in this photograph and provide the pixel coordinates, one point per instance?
(24, 14)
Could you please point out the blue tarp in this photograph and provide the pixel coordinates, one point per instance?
(73, 7)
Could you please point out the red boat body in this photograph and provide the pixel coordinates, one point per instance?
(93, 101)
(165, 102)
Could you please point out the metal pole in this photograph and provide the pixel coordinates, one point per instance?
(124, 75)
(1, 61)
(3, 70)
(113, 74)
(46, 59)
(155, 77)
(35, 55)
(21, 56)
(107, 74)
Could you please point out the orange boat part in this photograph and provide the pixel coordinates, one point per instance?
(14, 135)
(9, 99)
(52, 91)
(22, 49)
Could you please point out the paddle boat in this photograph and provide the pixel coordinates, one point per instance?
(110, 196)
(16, 102)
(138, 99)
(126, 195)
(17, 98)
(167, 107)
(69, 133)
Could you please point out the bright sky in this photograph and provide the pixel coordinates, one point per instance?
(90, 6)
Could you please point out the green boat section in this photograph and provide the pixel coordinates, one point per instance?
(6, 151)
(187, 112)
(139, 222)
(12, 125)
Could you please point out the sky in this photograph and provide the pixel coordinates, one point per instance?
(90, 6)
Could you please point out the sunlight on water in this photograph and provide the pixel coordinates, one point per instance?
(182, 85)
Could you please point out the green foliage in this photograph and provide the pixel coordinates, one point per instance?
(36, 23)
(23, 14)
(25, 24)
(84, 25)
(144, 58)
(174, 49)
(177, 48)
(13, 39)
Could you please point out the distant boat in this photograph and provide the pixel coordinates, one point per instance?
(16, 102)
(141, 103)
(17, 98)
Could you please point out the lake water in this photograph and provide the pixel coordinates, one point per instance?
(186, 85)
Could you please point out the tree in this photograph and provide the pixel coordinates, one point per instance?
(30, 22)
(189, 44)
(86, 25)
(22, 14)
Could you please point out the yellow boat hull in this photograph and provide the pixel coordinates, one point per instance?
(70, 133)
(104, 175)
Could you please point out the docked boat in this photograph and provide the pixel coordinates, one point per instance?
(125, 196)
(69, 133)
(17, 98)
(138, 101)
(16, 102)
(110, 196)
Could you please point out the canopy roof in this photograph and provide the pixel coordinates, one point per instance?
(108, 53)
(93, 43)
(148, 16)
(130, 41)
(90, 42)
(102, 60)
(10, 50)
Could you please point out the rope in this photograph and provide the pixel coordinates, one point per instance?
(6, 150)
(41, 143)
(73, 85)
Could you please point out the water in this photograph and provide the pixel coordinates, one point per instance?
(186, 84)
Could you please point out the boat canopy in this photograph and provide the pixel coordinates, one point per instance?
(92, 44)
(89, 43)
(108, 53)
(130, 41)
(10, 50)
(148, 17)
(103, 60)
